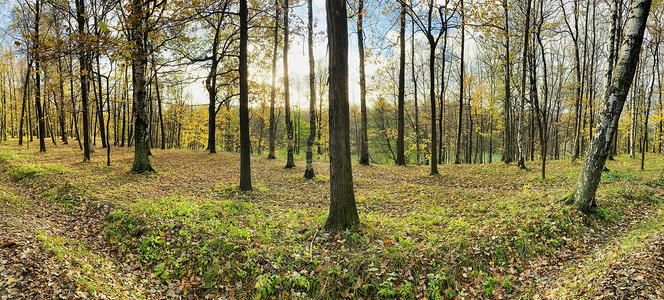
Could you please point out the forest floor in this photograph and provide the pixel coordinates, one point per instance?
(85, 230)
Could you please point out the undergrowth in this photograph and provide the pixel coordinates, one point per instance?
(470, 231)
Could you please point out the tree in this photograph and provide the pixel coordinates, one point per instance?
(36, 52)
(364, 138)
(457, 157)
(401, 160)
(583, 194)
(273, 90)
(428, 30)
(309, 171)
(343, 212)
(520, 135)
(245, 142)
(139, 14)
(507, 106)
(290, 162)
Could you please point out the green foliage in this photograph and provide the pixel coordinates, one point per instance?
(611, 177)
(25, 171)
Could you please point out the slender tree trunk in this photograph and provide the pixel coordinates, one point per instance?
(273, 89)
(507, 107)
(290, 162)
(38, 106)
(542, 112)
(401, 160)
(432, 88)
(159, 106)
(343, 212)
(415, 94)
(25, 103)
(100, 103)
(647, 111)
(364, 137)
(457, 157)
(441, 113)
(583, 195)
(309, 171)
(520, 134)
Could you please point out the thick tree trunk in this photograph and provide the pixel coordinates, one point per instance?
(139, 66)
(401, 160)
(245, 141)
(583, 194)
(84, 71)
(343, 212)
(309, 171)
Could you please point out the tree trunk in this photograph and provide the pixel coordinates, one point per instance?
(364, 137)
(583, 194)
(38, 106)
(520, 135)
(647, 111)
(432, 89)
(415, 100)
(100, 103)
(343, 212)
(139, 66)
(273, 89)
(245, 140)
(25, 103)
(457, 156)
(401, 160)
(507, 107)
(309, 171)
(290, 162)
(84, 70)
(159, 108)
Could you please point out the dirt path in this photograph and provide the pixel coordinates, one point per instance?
(51, 252)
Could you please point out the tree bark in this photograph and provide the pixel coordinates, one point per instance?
(364, 137)
(290, 161)
(309, 170)
(36, 53)
(84, 70)
(432, 89)
(401, 160)
(273, 89)
(457, 156)
(343, 212)
(245, 141)
(583, 194)
(139, 66)
(526, 38)
(507, 107)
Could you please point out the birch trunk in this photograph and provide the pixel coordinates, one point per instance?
(583, 194)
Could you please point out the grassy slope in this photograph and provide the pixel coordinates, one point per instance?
(473, 230)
